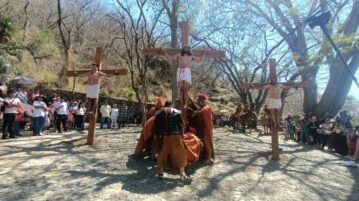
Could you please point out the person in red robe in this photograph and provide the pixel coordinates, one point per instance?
(154, 109)
(205, 127)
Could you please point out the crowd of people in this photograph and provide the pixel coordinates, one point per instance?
(36, 112)
(332, 134)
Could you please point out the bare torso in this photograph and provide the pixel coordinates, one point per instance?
(275, 90)
(185, 61)
(93, 78)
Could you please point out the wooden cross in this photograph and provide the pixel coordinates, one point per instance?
(173, 51)
(116, 72)
(274, 130)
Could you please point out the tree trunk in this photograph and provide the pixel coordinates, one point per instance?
(340, 80)
(338, 87)
(173, 17)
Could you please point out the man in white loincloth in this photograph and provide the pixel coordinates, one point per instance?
(184, 77)
(93, 87)
(274, 101)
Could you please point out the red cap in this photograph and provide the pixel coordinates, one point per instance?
(192, 130)
(159, 100)
(204, 96)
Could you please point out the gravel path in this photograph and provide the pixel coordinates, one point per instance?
(51, 168)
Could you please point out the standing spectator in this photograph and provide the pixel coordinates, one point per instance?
(114, 116)
(34, 95)
(39, 115)
(18, 120)
(70, 115)
(290, 126)
(10, 112)
(79, 111)
(61, 114)
(55, 101)
(2, 97)
(105, 110)
(313, 127)
(123, 114)
(21, 94)
(304, 126)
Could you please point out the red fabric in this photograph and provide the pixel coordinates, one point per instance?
(159, 100)
(206, 114)
(152, 112)
(146, 133)
(19, 117)
(193, 147)
(204, 96)
(20, 109)
(192, 143)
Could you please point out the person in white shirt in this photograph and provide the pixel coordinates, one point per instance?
(39, 113)
(105, 115)
(61, 114)
(11, 104)
(79, 111)
(114, 115)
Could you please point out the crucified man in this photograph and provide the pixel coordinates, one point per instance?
(184, 77)
(93, 78)
(274, 101)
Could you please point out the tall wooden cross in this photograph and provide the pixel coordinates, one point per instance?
(274, 130)
(116, 72)
(173, 51)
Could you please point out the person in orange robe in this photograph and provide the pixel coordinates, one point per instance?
(205, 127)
(154, 109)
(146, 135)
(168, 128)
(193, 146)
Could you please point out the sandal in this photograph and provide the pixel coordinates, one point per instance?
(186, 179)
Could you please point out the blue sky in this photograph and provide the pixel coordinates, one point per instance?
(354, 91)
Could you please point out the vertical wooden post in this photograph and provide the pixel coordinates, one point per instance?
(274, 130)
(185, 33)
(93, 117)
(275, 143)
(272, 68)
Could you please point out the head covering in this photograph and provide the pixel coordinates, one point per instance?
(159, 100)
(201, 95)
(168, 103)
(192, 130)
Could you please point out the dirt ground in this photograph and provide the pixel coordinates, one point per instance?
(53, 167)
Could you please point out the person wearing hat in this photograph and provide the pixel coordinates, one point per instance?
(184, 77)
(205, 127)
(168, 128)
(154, 109)
(10, 112)
(39, 112)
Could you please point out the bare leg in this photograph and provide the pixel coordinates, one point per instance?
(183, 175)
(180, 86)
(185, 93)
(92, 103)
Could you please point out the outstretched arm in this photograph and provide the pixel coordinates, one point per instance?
(174, 57)
(200, 59)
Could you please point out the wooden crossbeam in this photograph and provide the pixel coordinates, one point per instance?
(172, 51)
(116, 72)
